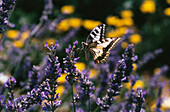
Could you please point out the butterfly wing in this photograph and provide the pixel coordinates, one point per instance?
(97, 34)
(102, 50)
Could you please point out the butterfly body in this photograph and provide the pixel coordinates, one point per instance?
(98, 45)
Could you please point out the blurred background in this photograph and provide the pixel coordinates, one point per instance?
(149, 19)
(70, 20)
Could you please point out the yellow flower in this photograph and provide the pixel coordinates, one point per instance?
(134, 66)
(112, 20)
(117, 32)
(119, 23)
(24, 35)
(126, 13)
(62, 78)
(49, 41)
(127, 21)
(75, 22)
(80, 66)
(124, 45)
(67, 9)
(148, 6)
(93, 73)
(168, 1)
(167, 11)
(60, 90)
(63, 25)
(90, 24)
(121, 30)
(138, 84)
(18, 43)
(157, 71)
(12, 34)
(135, 38)
(115, 21)
(153, 107)
(111, 33)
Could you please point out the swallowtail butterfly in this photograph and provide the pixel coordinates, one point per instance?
(98, 45)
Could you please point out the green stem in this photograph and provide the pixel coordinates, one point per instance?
(89, 103)
(74, 107)
(96, 110)
(52, 106)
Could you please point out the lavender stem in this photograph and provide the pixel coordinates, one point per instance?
(74, 107)
(96, 110)
(89, 103)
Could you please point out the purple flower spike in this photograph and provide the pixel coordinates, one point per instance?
(2, 102)
(121, 74)
(148, 56)
(49, 86)
(139, 99)
(75, 43)
(69, 63)
(6, 6)
(11, 106)
(85, 90)
(10, 83)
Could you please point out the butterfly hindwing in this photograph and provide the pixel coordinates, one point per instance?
(102, 50)
(97, 34)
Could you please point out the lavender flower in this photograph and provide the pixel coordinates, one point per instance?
(2, 102)
(70, 68)
(134, 101)
(133, 79)
(87, 86)
(114, 87)
(33, 79)
(127, 106)
(155, 80)
(48, 6)
(86, 90)
(130, 96)
(129, 57)
(159, 99)
(52, 72)
(11, 82)
(121, 74)
(32, 97)
(139, 99)
(47, 9)
(114, 54)
(55, 22)
(47, 89)
(69, 63)
(149, 56)
(5, 7)
(69, 35)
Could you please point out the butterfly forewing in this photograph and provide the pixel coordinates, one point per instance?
(98, 45)
(97, 34)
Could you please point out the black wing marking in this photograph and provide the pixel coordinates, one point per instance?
(97, 34)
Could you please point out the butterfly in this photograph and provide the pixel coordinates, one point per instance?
(98, 45)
